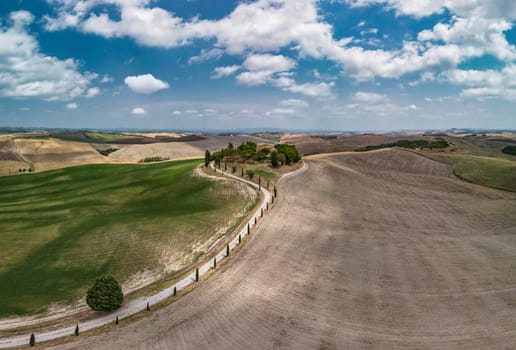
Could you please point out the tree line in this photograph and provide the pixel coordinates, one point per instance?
(280, 154)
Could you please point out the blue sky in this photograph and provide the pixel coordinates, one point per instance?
(297, 64)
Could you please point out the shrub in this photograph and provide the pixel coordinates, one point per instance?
(509, 150)
(105, 295)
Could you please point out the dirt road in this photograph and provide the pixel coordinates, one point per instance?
(366, 251)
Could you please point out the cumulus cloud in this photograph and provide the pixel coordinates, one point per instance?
(71, 105)
(106, 79)
(476, 28)
(92, 92)
(145, 84)
(220, 72)
(262, 67)
(206, 55)
(27, 73)
(294, 103)
(369, 97)
(138, 111)
(283, 111)
(484, 84)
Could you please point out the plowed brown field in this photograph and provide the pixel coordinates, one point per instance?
(383, 250)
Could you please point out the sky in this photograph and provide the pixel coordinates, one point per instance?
(343, 65)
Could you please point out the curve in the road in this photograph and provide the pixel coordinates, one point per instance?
(138, 305)
(385, 250)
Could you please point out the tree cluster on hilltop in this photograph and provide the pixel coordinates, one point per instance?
(280, 154)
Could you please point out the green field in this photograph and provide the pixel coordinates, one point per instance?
(61, 229)
(487, 171)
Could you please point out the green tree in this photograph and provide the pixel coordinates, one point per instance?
(207, 158)
(262, 154)
(77, 330)
(274, 159)
(32, 340)
(105, 295)
(247, 150)
(250, 173)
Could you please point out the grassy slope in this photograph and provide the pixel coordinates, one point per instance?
(59, 230)
(488, 171)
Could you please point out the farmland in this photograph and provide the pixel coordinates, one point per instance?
(61, 229)
(374, 250)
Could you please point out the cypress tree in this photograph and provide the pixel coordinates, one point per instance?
(197, 275)
(248, 228)
(175, 291)
(239, 239)
(215, 262)
(262, 213)
(255, 220)
(227, 250)
(274, 159)
(275, 194)
(207, 158)
(32, 340)
(148, 307)
(77, 330)
(116, 320)
(242, 172)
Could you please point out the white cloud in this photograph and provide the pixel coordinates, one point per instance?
(262, 67)
(484, 84)
(71, 105)
(92, 92)
(25, 72)
(283, 111)
(138, 111)
(106, 79)
(321, 90)
(369, 97)
(145, 84)
(477, 28)
(294, 103)
(206, 55)
(177, 113)
(220, 72)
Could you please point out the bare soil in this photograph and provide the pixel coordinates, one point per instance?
(47, 154)
(313, 144)
(383, 250)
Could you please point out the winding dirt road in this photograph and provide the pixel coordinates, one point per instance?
(366, 251)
